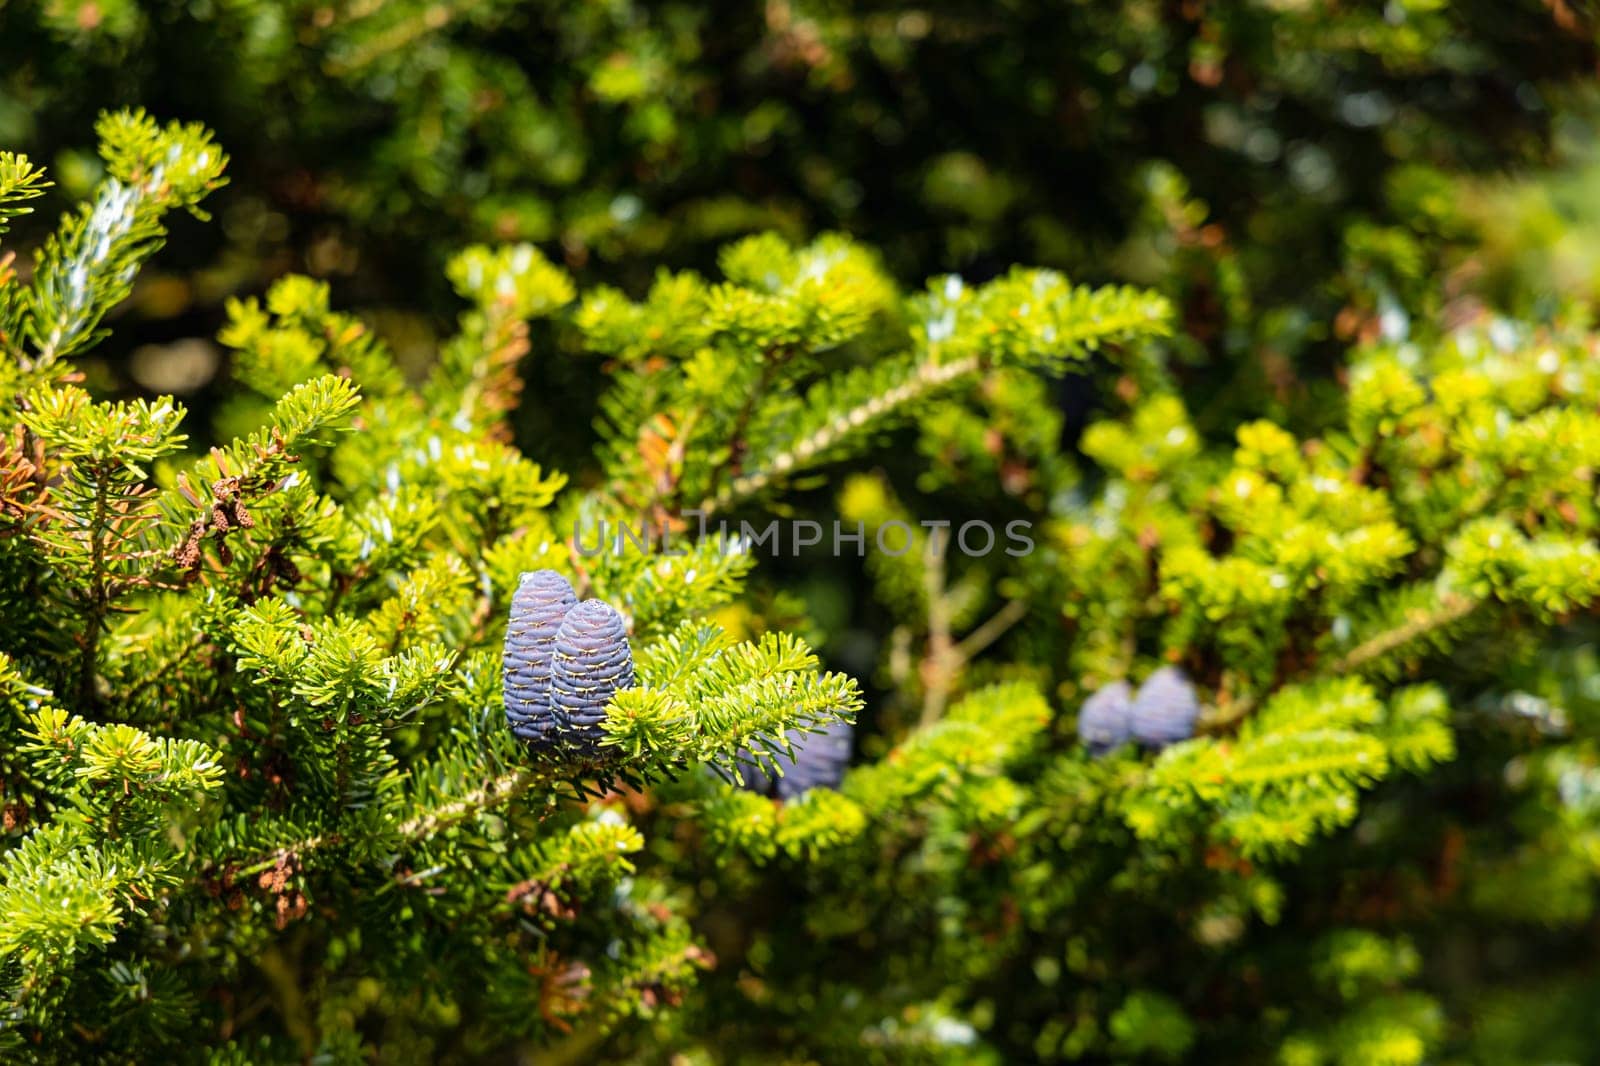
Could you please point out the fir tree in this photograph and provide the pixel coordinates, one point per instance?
(262, 797)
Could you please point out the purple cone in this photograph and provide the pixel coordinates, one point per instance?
(539, 605)
(592, 663)
(1166, 709)
(820, 760)
(1105, 721)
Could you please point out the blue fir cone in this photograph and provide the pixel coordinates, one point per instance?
(1105, 721)
(820, 760)
(1166, 709)
(592, 663)
(539, 605)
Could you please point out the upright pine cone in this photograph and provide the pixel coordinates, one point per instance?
(1105, 721)
(820, 760)
(541, 602)
(592, 663)
(1166, 709)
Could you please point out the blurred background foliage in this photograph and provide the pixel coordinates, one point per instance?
(1296, 174)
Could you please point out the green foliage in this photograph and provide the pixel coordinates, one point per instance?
(20, 181)
(804, 356)
(1267, 165)
(258, 792)
(115, 838)
(88, 265)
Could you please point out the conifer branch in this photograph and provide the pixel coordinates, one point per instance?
(502, 789)
(940, 667)
(88, 266)
(991, 630)
(1453, 607)
(99, 598)
(927, 378)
